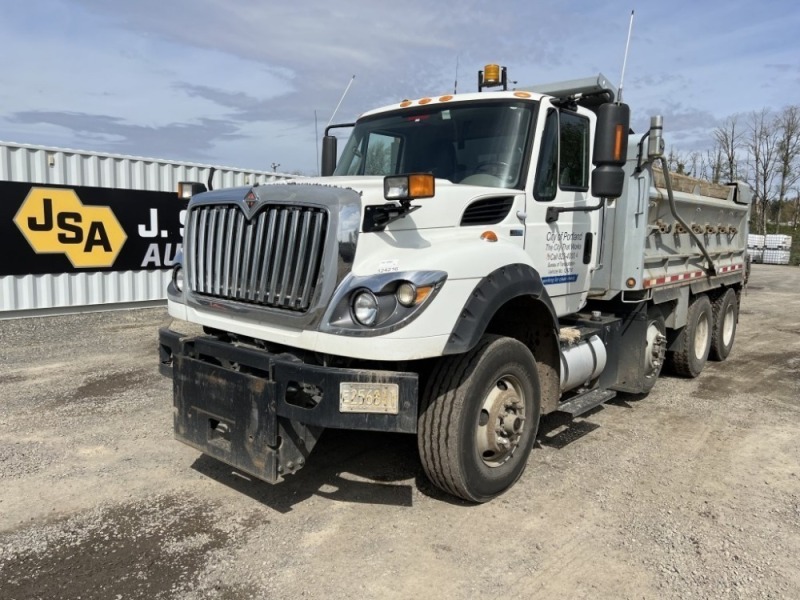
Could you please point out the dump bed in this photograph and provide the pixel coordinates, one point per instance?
(717, 216)
(645, 246)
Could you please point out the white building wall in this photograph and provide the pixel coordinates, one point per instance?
(57, 166)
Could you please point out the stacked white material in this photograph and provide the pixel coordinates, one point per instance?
(755, 241)
(778, 241)
(755, 247)
(776, 257)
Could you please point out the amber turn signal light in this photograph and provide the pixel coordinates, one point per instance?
(409, 187)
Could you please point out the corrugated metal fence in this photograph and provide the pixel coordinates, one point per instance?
(20, 294)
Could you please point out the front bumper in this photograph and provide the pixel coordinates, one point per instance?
(260, 412)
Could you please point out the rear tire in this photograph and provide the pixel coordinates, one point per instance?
(478, 419)
(726, 315)
(654, 350)
(694, 343)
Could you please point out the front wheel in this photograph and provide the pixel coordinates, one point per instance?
(478, 419)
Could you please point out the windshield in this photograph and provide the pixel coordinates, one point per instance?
(475, 143)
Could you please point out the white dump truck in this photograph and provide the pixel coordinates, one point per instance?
(469, 263)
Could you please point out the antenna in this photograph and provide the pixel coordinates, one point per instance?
(625, 58)
(316, 140)
(455, 85)
(335, 110)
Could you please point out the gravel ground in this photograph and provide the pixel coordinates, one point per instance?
(690, 492)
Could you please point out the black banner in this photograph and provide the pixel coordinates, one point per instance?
(48, 229)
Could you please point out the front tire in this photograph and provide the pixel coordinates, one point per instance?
(689, 358)
(726, 314)
(478, 419)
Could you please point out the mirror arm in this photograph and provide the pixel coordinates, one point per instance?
(377, 217)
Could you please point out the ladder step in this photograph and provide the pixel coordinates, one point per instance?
(586, 402)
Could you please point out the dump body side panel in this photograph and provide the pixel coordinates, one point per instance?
(645, 247)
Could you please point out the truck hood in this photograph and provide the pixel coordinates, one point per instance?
(445, 209)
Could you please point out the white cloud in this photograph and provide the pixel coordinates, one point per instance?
(238, 81)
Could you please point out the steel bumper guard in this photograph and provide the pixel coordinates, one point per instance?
(262, 413)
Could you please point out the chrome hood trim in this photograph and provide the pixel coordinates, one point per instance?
(343, 208)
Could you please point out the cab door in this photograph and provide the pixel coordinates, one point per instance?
(563, 243)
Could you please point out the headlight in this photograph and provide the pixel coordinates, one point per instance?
(177, 278)
(406, 294)
(365, 308)
(378, 304)
(410, 295)
(409, 187)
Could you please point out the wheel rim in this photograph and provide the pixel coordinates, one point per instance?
(654, 351)
(501, 421)
(701, 337)
(728, 325)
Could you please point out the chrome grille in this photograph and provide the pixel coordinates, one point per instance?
(272, 259)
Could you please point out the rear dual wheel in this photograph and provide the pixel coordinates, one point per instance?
(726, 314)
(694, 343)
(655, 344)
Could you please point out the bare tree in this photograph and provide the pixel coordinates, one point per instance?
(729, 140)
(712, 164)
(788, 160)
(762, 144)
(694, 164)
(676, 162)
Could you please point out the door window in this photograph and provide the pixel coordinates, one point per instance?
(563, 155)
(574, 152)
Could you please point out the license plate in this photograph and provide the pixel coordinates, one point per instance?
(382, 398)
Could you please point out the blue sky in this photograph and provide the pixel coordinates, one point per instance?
(236, 82)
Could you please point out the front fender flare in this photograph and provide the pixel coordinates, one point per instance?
(492, 292)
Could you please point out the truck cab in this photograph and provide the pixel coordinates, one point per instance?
(532, 150)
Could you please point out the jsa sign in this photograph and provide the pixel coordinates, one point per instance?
(55, 221)
(59, 229)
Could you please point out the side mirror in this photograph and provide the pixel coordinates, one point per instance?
(328, 155)
(610, 150)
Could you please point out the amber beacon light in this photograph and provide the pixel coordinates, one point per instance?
(492, 76)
